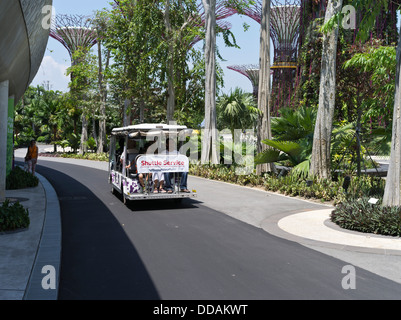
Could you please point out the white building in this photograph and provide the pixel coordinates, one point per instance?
(25, 27)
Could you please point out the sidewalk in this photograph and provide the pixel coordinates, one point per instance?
(24, 254)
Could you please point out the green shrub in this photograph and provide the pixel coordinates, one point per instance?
(360, 215)
(13, 217)
(20, 179)
(87, 156)
(91, 143)
(324, 190)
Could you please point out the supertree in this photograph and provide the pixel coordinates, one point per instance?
(284, 33)
(74, 32)
(221, 26)
(251, 71)
(285, 18)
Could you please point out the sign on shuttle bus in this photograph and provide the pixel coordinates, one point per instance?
(162, 163)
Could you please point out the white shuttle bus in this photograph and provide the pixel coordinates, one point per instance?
(145, 164)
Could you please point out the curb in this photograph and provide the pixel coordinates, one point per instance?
(359, 242)
(49, 249)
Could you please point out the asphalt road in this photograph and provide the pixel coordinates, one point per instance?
(183, 252)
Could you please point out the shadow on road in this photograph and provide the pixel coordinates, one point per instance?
(98, 259)
(162, 204)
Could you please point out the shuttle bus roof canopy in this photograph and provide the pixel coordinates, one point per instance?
(145, 129)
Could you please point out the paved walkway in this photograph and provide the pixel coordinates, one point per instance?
(25, 255)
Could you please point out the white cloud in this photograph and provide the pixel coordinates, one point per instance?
(53, 73)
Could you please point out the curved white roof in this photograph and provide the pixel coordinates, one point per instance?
(150, 126)
(22, 43)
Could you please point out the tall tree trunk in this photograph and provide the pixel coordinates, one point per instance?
(55, 138)
(127, 113)
(170, 75)
(84, 134)
(320, 161)
(95, 135)
(263, 129)
(210, 142)
(141, 111)
(103, 97)
(392, 191)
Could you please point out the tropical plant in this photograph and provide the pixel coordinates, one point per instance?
(13, 216)
(50, 113)
(378, 63)
(362, 216)
(294, 125)
(281, 151)
(20, 179)
(74, 141)
(236, 110)
(293, 132)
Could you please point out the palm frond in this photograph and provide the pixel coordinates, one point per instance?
(301, 170)
(291, 148)
(268, 156)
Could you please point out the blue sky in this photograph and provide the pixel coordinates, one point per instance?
(56, 59)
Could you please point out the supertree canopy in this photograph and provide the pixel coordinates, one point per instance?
(250, 71)
(74, 32)
(221, 25)
(222, 12)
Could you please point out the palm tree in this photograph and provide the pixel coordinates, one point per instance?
(50, 113)
(237, 110)
(293, 125)
(293, 139)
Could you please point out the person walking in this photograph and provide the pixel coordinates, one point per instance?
(32, 156)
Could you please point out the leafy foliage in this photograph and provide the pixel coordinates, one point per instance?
(360, 215)
(20, 179)
(236, 110)
(376, 64)
(13, 216)
(291, 185)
